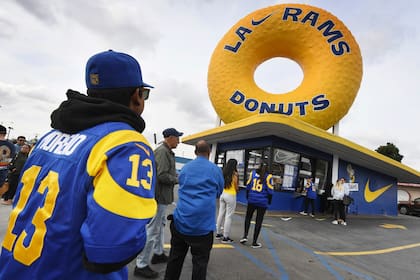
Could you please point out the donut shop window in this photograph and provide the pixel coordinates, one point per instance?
(284, 168)
(254, 158)
(239, 155)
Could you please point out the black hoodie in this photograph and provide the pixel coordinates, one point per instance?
(81, 112)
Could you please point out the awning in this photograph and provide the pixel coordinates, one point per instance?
(308, 135)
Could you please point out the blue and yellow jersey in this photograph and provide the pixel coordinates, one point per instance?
(259, 190)
(85, 195)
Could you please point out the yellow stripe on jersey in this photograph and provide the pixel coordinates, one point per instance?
(108, 142)
(249, 179)
(269, 184)
(106, 189)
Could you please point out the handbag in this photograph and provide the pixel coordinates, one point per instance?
(347, 200)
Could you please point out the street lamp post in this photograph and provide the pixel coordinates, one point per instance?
(8, 132)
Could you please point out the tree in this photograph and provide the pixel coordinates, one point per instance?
(390, 150)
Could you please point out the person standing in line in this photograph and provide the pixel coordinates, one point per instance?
(166, 178)
(338, 192)
(7, 153)
(259, 192)
(227, 201)
(15, 167)
(20, 141)
(310, 197)
(87, 188)
(194, 219)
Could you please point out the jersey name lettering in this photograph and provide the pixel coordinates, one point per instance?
(60, 143)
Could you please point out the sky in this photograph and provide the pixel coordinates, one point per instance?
(45, 45)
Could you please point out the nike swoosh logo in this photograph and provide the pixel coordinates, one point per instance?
(372, 195)
(258, 22)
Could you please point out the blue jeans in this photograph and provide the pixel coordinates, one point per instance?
(155, 234)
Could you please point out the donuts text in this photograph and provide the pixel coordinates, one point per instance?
(318, 103)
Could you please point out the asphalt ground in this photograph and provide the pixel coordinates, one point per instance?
(302, 247)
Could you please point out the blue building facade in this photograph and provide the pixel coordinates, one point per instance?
(290, 163)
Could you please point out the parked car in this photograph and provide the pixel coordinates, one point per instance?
(412, 207)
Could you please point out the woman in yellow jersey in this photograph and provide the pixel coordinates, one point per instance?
(227, 203)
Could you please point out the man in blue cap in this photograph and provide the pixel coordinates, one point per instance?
(166, 178)
(87, 189)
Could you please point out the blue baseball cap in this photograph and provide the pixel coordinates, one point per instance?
(171, 132)
(111, 69)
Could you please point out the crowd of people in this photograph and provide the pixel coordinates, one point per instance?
(13, 157)
(102, 192)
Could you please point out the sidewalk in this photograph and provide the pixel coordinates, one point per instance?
(309, 248)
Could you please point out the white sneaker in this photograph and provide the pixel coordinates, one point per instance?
(312, 215)
(344, 223)
(243, 240)
(256, 245)
(303, 213)
(335, 222)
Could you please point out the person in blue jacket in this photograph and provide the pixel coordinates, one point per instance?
(310, 197)
(194, 220)
(259, 192)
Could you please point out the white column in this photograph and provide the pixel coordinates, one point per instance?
(334, 175)
(214, 145)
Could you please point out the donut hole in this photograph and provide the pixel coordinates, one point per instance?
(278, 75)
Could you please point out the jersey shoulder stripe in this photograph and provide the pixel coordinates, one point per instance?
(133, 185)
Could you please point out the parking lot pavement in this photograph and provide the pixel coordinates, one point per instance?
(302, 247)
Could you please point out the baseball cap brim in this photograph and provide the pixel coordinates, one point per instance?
(147, 85)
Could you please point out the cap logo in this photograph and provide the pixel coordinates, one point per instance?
(94, 79)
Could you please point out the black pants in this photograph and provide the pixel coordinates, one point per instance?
(258, 222)
(312, 202)
(200, 251)
(13, 183)
(339, 210)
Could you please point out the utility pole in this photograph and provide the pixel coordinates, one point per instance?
(8, 132)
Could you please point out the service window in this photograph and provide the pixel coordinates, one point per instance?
(284, 168)
(239, 155)
(255, 159)
(321, 175)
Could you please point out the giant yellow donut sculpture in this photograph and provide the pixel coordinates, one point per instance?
(318, 41)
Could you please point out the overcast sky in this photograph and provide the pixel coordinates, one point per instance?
(45, 45)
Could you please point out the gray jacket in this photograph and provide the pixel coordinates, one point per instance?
(165, 174)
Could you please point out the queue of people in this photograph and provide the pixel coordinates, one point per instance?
(104, 192)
